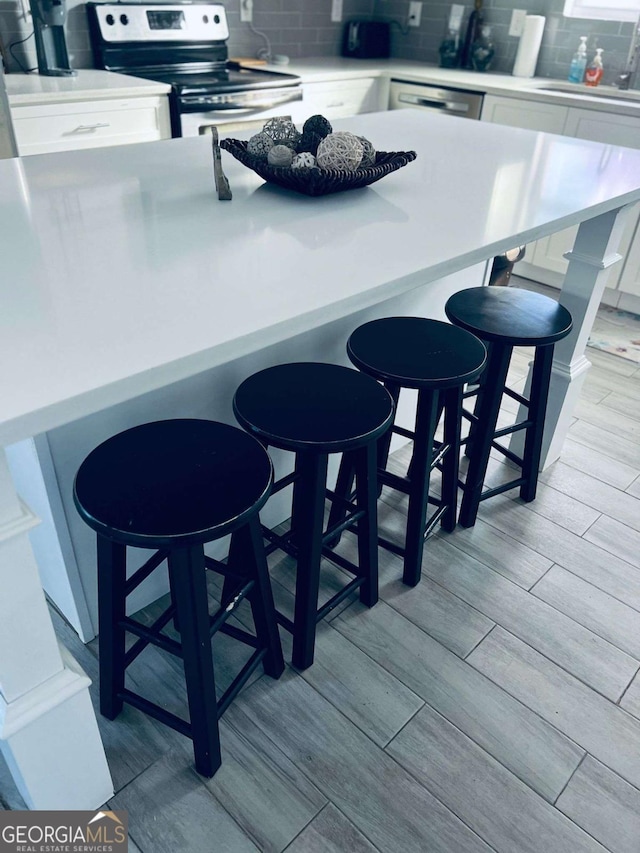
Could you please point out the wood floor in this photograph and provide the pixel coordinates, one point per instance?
(496, 707)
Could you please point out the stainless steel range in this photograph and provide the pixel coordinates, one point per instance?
(185, 45)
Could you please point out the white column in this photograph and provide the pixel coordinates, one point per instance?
(48, 731)
(593, 254)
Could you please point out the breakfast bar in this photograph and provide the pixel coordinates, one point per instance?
(130, 293)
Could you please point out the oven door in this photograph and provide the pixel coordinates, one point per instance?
(196, 116)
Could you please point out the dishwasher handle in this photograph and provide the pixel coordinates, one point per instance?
(422, 101)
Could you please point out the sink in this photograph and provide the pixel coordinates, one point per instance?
(593, 91)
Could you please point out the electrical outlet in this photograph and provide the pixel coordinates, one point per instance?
(415, 13)
(517, 22)
(336, 11)
(246, 11)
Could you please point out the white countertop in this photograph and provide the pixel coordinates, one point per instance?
(122, 272)
(87, 85)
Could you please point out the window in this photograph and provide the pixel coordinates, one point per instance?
(603, 10)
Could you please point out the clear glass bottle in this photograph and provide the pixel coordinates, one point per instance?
(482, 50)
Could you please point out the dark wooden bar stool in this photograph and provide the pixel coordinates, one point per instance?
(438, 360)
(314, 410)
(172, 486)
(505, 318)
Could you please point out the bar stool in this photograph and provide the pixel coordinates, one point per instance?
(438, 360)
(172, 486)
(504, 318)
(314, 410)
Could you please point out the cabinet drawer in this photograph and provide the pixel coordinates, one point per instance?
(531, 115)
(341, 98)
(62, 127)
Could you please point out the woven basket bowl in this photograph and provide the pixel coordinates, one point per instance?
(319, 181)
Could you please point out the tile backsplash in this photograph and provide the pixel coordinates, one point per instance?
(299, 28)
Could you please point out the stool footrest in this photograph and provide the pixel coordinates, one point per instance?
(337, 529)
(145, 570)
(149, 635)
(217, 620)
(524, 401)
(283, 482)
(283, 620)
(160, 714)
(505, 487)
(156, 627)
(356, 583)
(509, 430)
(239, 681)
(238, 634)
(509, 454)
(405, 433)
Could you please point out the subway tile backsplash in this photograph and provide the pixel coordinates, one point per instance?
(301, 28)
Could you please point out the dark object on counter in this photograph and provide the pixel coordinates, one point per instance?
(449, 50)
(473, 28)
(222, 182)
(367, 39)
(309, 141)
(314, 410)
(438, 360)
(506, 317)
(482, 50)
(51, 46)
(172, 486)
(317, 181)
(503, 266)
(317, 124)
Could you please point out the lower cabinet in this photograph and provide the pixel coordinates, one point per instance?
(343, 98)
(45, 128)
(544, 259)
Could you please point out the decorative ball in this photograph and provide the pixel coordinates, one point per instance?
(260, 145)
(309, 141)
(305, 160)
(317, 124)
(340, 150)
(280, 155)
(368, 153)
(282, 131)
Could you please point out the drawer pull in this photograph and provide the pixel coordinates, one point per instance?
(336, 104)
(87, 128)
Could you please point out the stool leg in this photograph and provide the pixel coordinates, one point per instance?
(426, 422)
(307, 521)
(172, 583)
(344, 487)
(247, 553)
(451, 461)
(112, 574)
(384, 443)
(487, 408)
(187, 565)
(540, 379)
(367, 502)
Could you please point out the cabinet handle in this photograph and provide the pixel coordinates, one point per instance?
(336, 104)
(83, 128)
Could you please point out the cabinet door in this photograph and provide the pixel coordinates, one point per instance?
(629, 281)
(531, 115)
(342, 98)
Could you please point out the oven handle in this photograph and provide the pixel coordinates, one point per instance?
(191, 104)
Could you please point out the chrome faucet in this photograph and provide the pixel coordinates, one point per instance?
(626, 77)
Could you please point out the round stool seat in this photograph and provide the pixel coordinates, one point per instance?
(312, 406)
(173, 483)
(415, 352)
(509, 315)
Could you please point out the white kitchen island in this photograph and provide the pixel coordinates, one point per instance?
(130, 292)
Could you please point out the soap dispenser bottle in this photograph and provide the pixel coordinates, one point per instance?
(579, 62)
(593, 74)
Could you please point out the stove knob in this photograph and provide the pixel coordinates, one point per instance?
(205, 19)
(216, 19)
(124, 19)
(110, 20)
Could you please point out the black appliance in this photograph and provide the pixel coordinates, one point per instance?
(51, 46)
(185, 45)
(367, 39)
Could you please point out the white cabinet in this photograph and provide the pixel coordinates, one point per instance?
(545, 259)
(343, 98)
(43, 128)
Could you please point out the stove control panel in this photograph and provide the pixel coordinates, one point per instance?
(169, 22)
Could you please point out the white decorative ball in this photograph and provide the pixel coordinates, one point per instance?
(368, 152)
(282, 131)
(304, 160)
(260, 145)
(340, 150)
(280, 155)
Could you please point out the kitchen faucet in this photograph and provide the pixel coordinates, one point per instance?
(625, 78)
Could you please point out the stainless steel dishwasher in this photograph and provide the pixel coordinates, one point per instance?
(441, 99)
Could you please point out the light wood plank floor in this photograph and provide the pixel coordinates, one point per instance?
(496, 707)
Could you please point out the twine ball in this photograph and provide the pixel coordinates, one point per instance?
(309, 141)
(368, 153)
(280, 155)
(282, 131)
(317, 124)
(260, 145)
(305, 160)
(340, 150)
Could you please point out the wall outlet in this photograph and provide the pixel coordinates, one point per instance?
(246, 11)
(517, 22)
(336, 11)
(415, 13)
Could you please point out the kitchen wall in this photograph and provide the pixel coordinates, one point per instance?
(299, 28)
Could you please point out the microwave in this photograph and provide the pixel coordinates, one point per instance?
(367, 39)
